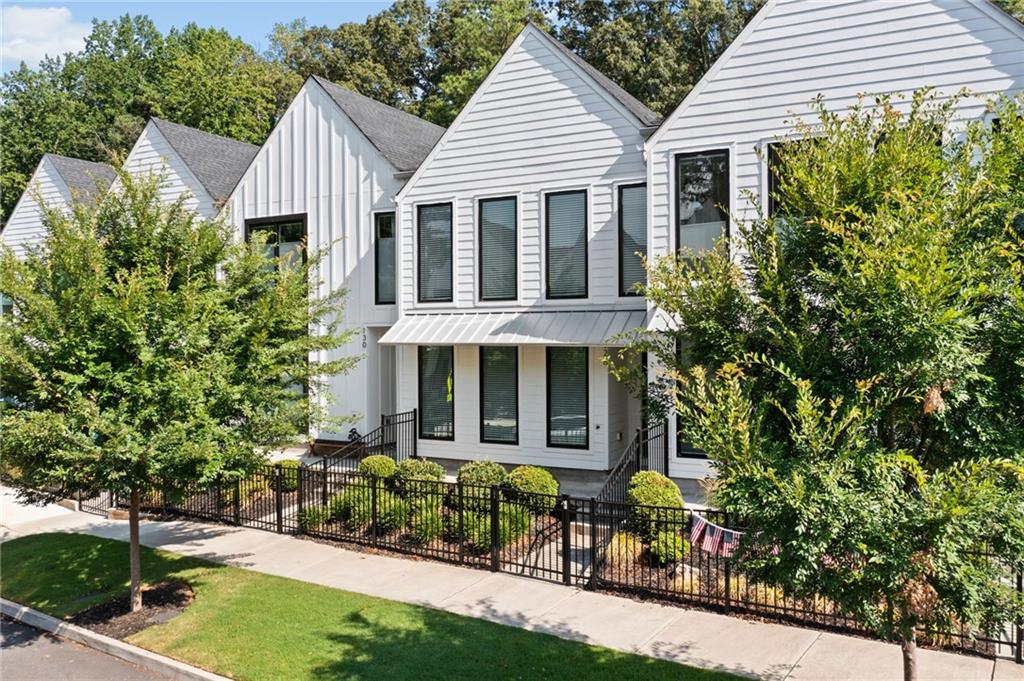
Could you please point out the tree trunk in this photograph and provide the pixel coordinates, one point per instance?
(133, 551)
(909, 647)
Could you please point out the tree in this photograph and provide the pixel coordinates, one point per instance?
(856, 372)
(132, 365)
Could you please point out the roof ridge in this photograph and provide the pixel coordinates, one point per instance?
(163, 121)
(217, 162)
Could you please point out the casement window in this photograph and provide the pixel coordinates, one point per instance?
(568, 397)
(566, 244)
(775, 171)
(499, 395)
(437, 392)
(632, 237)
(286, 236)
(685, 448)
(498, 249)
(434, 256)
(702, 199)
(384, 258)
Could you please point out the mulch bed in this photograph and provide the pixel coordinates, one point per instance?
(160, 603)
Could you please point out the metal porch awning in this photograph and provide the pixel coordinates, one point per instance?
(591, 327)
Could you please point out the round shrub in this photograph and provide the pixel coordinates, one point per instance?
(656, 505)
(378, 466)
(535, 487)
(419, 469)
(393, 512)
(624, 550)
(289, 475)
(480, 476)
(427, 523)
(668, 547)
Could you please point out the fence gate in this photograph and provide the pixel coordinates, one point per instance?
(99, 504)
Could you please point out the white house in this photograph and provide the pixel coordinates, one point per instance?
(792, 51)
(59, 182)
(329, 173)
(518, 236)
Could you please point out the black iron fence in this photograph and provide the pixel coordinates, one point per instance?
(589, 542)
(395, 437)
(648, 451)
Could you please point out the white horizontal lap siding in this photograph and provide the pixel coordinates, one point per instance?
(25, 226)
(152, 155)
(316, 162)
(532, 448)
(536, 126)
(839, 50)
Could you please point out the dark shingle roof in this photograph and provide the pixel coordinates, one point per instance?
(87, 180)
(403, 139)
(217, 162)
(645, 115)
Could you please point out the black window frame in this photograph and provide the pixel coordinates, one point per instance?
(623, 291)
(256, 224)
(480, 248)
(681, 451)
(451, 255)
(547, 393)
(728, 192)
(547, 244)
(419, 393)
(480, 374)
(772, 163)
(376, 256)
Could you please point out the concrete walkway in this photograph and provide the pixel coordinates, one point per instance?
(692, 637)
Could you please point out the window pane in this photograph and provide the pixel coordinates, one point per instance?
(435, 253)
(567, 245)
(384, 226)
(437, 392)
(567, 397)
(685, 448)
(291, 235)
(632, 237)
(498, 249)
(702, 191)
(774, 176)
(499, 395)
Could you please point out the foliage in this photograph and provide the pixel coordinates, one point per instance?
(419, 469)
(668, 546)
(378, 466)
(513, 522)
(482, 473)
(353, 506)
(313, 517)
(624, 549)
(427, 523)
(656, 505)
(856, 374)
(393, 512)
(533, 486)
(290, 469)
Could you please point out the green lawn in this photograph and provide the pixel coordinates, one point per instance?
(252, 626)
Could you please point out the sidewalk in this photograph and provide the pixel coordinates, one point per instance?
(692, 637)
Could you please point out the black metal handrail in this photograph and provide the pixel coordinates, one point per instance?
(395, 437)
(647, 451)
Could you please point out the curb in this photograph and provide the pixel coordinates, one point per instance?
(160, 664)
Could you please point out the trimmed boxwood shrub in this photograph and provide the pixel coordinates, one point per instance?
(289, 475)
(533, 486)
(419, 478)
(378, 466)
(650, 488)
(427, 523)
(513, 522)
(668, 547)
(480, 475)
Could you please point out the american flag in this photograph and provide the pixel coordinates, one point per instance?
(730, 540)
(699, 524)
(712, 535)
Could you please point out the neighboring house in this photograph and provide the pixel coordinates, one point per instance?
(518, 236)
(328, 174)
(713, 150)
(59, 181)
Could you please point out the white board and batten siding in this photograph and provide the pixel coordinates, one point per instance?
(795, 50)
(152, 155)
(25, 227)
(317, 163)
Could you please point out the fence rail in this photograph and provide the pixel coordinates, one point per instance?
(589, 542)
(647, 451)
(394, 437)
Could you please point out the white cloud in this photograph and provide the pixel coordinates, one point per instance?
(30, 33)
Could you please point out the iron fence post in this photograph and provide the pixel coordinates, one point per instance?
(237, 494)
(300, 488)
(323, 482)
(566, 542)
(373, 510)
(415, 432)
(219, 504)
(278, 498)
(1018, 655)
(663, 439)
(592, 582)
(495, 556)
(728, 572)
(462, 511)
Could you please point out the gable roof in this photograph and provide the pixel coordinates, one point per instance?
(217, 162)
(403, 139)
(645, 115)
(87, 180)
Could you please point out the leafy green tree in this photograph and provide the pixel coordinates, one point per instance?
(856, 371)
(147, 351)
(1015, 8)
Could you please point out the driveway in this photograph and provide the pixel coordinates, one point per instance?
(27, 654)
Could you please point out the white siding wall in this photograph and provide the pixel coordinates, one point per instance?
(537, 126)
(837, 49)
(317, 163)
(532, 448)
(153, 155)
(25, 225)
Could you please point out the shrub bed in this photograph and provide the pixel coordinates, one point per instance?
(652, 489)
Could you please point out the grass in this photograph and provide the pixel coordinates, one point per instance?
(254, 626)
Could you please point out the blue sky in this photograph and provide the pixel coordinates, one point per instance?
(32, 29)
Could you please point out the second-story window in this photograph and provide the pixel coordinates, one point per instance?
(566, 218)
(702, 199)
(384, 258)
(285, 236)
(434, 257)
(498, 249)
(632, 237)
